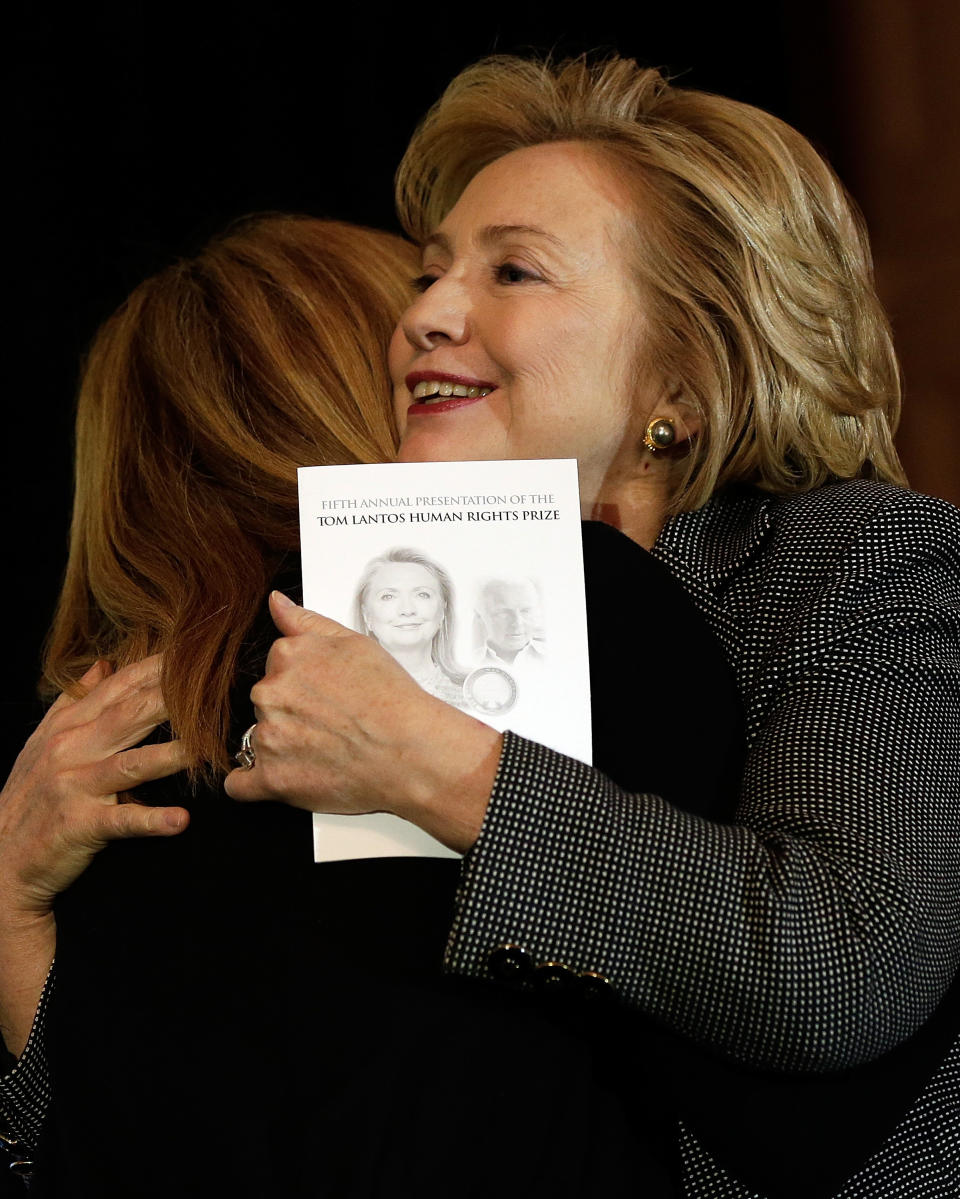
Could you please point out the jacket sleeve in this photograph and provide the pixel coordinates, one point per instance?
(25, 1093)
(821, 928)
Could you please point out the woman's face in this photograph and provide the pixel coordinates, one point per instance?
(528, 312)
(403, 605)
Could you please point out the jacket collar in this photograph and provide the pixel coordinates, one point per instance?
(706, 547)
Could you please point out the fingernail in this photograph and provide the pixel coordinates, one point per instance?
(283, 601)
(172, 817)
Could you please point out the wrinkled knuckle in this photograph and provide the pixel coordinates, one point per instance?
(114, 821)
(142, 702)
(283, 651)
(130, 765)
(147, 819)
(129, 815)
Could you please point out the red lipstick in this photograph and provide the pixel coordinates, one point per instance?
(430, 404)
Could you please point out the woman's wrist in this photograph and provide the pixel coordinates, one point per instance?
(28, 943)
(448, 795)
(22, 908)
(21, 921)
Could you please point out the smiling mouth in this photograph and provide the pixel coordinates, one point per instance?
(434, 391)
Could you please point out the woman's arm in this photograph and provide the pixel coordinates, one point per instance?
(64, 800)
(823, 927)
(815, 933)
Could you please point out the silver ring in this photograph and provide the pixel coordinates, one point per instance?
(246, 755)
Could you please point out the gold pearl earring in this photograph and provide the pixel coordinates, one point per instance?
(659, 434)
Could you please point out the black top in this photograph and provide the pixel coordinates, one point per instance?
(228, 1012)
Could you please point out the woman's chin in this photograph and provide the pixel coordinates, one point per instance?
(452, 437)
(424, 447)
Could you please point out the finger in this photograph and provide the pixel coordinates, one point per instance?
(84, 685)
(100, 670)
(240, 783)
(118, 714)
(134, 680)
(291, 619)
(129, 721)
(244, 785)
(134, 767)
(127, 820)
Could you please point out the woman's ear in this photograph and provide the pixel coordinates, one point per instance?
(673, 422)
(682, 410)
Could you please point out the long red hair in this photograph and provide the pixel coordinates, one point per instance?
(200, 397)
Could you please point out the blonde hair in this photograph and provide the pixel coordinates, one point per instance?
(753, 263)
(200, 397)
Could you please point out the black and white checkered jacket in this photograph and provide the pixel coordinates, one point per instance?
(822, 929)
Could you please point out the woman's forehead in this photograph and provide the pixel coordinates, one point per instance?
(401, 574)
(562, 193)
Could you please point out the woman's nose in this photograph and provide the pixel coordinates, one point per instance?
(439, 316)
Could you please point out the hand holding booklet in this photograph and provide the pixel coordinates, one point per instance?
(470, 574)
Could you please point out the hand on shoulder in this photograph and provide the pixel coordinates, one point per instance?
(66, 794)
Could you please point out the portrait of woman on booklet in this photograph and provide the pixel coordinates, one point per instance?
(405, 602)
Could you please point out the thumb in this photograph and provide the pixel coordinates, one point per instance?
(291, 619)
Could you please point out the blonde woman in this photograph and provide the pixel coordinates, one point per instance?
(675, 289)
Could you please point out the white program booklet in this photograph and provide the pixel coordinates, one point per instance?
(471, 575)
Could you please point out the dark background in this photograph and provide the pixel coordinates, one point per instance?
(140, 130)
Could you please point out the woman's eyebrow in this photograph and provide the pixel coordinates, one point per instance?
(490, 235)
(498, 233)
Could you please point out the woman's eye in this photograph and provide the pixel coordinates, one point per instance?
(509, 272)
(422, 282)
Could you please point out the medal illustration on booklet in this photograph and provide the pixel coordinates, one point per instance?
(490, 690)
